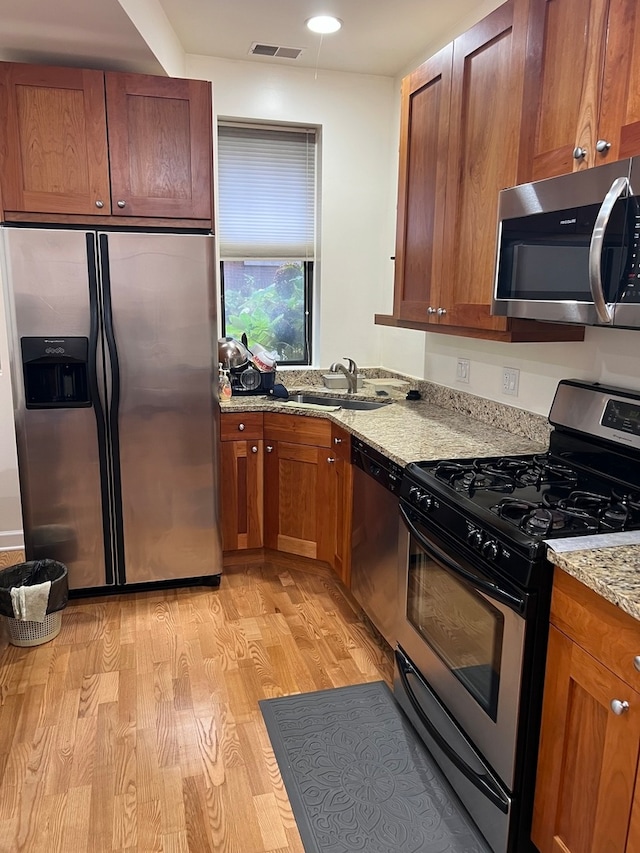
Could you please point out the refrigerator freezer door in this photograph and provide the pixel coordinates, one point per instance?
(58, 448)
(161, 291)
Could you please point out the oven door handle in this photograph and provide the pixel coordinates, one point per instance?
(515, 602)
(484, 781)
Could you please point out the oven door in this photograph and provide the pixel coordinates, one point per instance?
(465, 633)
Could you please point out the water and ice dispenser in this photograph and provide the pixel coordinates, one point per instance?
(55, 372)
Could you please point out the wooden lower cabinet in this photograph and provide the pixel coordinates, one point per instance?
(242, 481)
(286, 484)
(300, 487)
(588, 760)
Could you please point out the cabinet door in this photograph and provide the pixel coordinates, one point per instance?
(569, 37)
(55, 153)
(424, 129)
(160, 146)
(242, 490)
(588, 754)
(298, 500)
(619, 122)
(484, 133)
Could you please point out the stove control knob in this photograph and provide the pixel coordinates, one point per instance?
(475, 538)
(491, 550)
(425, 502)
(414, 494)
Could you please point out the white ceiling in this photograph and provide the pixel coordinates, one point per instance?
(378, 36)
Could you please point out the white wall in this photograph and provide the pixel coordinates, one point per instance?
(358, 143)
(606, 355)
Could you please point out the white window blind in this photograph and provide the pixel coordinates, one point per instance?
(266, 193)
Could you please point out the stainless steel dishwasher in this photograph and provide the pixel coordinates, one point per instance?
(374, 537)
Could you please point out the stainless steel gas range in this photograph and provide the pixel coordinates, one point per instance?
(476, 591)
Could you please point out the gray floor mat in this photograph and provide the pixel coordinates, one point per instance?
(359, 778)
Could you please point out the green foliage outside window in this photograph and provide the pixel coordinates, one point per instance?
(266, 301)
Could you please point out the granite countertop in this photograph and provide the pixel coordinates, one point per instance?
(409, 431)
(447, 424)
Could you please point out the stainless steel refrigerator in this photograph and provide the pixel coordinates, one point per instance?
(112, 356)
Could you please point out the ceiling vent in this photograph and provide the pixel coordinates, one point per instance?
(258, 49)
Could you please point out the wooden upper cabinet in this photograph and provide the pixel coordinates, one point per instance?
(583, 84)
(421, 186)
(53, 158)
(463, 136)
(77, 143)
(484, 138)
(159, 146)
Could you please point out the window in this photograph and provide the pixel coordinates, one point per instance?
(267, 202)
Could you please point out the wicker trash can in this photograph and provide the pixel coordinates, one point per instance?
(27, 633)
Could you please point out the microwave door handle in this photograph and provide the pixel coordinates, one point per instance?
(603, 310)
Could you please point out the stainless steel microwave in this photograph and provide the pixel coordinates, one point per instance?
(568, 248)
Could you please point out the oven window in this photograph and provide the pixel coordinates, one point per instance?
(459, 624)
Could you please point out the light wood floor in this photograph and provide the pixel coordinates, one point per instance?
(138, 727)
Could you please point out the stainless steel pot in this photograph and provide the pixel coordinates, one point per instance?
(233, 354)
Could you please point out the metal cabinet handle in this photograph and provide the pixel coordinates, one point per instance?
(636, 662)
(122, 203)
(269, 448)
(579, 153)
(431, 310)
(619, 707)
(99, 203)
(603, 310)
(441, 312)
(254, 449)
(330, 459)
(241, 427)
(337, 441)
(602, 145)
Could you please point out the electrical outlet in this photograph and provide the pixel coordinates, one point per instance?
(462, 370)
(510, 380)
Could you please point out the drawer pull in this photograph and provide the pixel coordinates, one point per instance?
(619, 707)
(254, 449)
(636, 662)
(241, 427)
(330, 459)
(269, 448)
(337, 441)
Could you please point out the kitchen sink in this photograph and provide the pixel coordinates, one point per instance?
(324, 400)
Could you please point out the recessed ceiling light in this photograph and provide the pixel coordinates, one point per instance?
(324, 24)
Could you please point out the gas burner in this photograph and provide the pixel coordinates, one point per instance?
(473, 477)
(476, 480)
(585, 500)
(449, 472)
(543, 520)
(513, 509)
(544, 469)
(546, 517)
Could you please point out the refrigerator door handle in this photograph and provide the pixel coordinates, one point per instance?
(98, 401)
(112, 379)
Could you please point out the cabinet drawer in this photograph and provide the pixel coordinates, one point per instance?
(602, 629)
(245, 425)
(298, 429)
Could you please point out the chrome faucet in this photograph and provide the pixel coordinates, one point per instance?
(351, 373)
